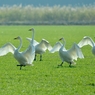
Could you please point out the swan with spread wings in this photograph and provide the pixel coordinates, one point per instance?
(67, 55)
(41, 47)
(87, 41)
(24, 58)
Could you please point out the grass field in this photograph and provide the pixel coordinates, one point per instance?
(44, 78)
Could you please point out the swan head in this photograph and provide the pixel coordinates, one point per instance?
(31, 29)
(17, 38)
(61, 39)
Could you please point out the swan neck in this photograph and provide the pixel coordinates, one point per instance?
(32, 36)
(20, 44)
(64, 42)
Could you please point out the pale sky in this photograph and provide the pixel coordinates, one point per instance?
(46, 2)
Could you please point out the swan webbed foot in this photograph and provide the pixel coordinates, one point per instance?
(21, 66)
(41, 60)
(60, 64)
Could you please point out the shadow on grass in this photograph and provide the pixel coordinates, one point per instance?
(91, 84)
(65, 66)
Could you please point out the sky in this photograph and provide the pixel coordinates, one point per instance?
(46, 2)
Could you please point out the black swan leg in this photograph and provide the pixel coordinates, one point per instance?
(70, 64)
(60, 64)
(35, 57)
(40, 57)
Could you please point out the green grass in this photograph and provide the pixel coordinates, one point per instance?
(44, 78)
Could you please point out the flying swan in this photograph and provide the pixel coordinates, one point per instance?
(87, 41)
(67, 55)
(41, 47)
(24, 58)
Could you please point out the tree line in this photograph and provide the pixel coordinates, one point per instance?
(46, 15)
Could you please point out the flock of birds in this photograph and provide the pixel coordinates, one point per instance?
(29, 55)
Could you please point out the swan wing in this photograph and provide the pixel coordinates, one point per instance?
(75, 52)
(46, 44)
(34, 41)
(56, 47)
(29, 54)
(43, 45)
(8, 47)
(86, 41)
(49, 47)
(32, 54)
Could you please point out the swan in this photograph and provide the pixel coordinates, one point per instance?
(87, 41)
(56, 47)
(67, 55)
(24, 58)
(41, 47)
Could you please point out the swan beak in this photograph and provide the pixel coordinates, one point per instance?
(15, 38)
(32, 29)
(29, 29)
(60, 39)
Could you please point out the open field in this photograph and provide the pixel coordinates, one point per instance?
(44, 78)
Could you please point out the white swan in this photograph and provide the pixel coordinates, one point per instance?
(87, 41)
(24, 58)
(56, 47)
(67, 55)
(41, 47)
